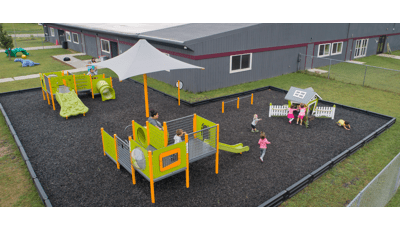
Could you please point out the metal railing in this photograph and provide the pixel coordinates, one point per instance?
(381, 189)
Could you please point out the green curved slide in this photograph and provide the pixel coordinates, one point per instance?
(70, 104)
(238, 148)
(107, 93)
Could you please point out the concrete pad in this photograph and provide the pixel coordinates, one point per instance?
(6, 80)
(389, 56)
(355, 62)
(319, 71)
(27, 77)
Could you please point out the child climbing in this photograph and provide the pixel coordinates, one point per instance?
(178, 136)
(344, 123)
(290, 114)
(254, 123)
(301, 114)
(263, 145)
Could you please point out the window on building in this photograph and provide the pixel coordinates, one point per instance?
(75, 38)
(105, 46)
(361, 48)
(337, 48)
(299, 94)
(68, 36)
(52, 32)
(240, 63)
(324, 50)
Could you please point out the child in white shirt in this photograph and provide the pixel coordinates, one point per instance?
(178, 136)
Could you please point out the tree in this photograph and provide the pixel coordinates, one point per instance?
(6, 41)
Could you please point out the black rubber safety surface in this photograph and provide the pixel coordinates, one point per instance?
(67, 155)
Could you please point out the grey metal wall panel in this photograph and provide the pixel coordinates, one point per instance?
(216, 74)
(349, 49)
(370, 29)
(75, 46)
(310, 50)
(394, 42)
(91, 48)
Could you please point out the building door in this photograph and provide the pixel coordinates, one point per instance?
(61, 36)
(309, 58)
(381, 44)
(114, 49)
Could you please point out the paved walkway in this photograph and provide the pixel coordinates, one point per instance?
(39, 48)
(27, 35)
(389, 56)
(79, 66)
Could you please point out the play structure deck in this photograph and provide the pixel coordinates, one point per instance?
(65, 87)
(154, 155)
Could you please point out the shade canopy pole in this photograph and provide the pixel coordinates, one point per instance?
(146, 96)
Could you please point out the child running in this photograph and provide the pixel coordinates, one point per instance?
(263, 145)
(301, 114)
(178, 136)
(290, 114)
(254, 123)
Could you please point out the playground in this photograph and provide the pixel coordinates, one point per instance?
(67, 155)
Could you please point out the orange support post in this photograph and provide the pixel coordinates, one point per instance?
(64, 82)
(111, 82)
(76, 90)
(132, 169)
(217, 153)
(133, 130)
(165, 134)
(194, 122)
(146, 96)
(104, 75)
(102, 140)
(148, 132)
(62, 73)
(251, 98)
(48, 98)
(238, 102)
(151, 177)
(223, 105)
(52, 98)
(116, 150)
(91, 85)
(179, 94)
(187, 160)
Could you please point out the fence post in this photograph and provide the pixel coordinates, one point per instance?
(238, 102)
(223, 107)
(251, 98)
(270, 109)
(330, 61)
(365, 74)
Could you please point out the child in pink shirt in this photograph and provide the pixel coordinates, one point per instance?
(290, 114)
(263, 145)
(301, 114)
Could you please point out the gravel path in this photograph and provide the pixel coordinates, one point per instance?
(68, 159)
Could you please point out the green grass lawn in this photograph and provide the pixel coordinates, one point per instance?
(22, 28)
(339, 185)
(47, 63)
(31, 42)
(397, 52)
(375, 78)
(83, 57)
(395, 201)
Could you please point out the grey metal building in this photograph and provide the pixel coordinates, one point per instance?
(232, 53)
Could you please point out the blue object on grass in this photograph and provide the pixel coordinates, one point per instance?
(26, 63)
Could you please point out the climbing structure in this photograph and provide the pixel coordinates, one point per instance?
(152, 152)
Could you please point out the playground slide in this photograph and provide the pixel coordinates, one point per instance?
(107, 93)
(238, 148)
(70, 104)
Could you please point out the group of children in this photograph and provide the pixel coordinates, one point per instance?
(302, 112)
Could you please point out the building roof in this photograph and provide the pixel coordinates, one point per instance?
(167, 32)
(301, 95)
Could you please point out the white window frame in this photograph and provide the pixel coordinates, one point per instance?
(361, 48)
(336, 48)
(52, 31)
(329, 52)
(240, 70)
(109, 47)
(77, 35)
(66, 37)
(299, 94)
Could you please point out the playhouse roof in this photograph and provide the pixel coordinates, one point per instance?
(301, 95)
(143, 58)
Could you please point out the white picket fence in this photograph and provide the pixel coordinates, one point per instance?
(325, 112)
(282, 110)
(278, 110)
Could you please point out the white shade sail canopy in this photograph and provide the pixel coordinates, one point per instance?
(142, 58)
